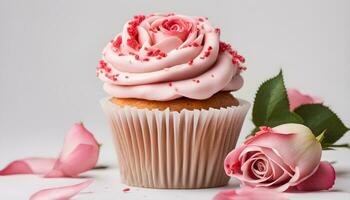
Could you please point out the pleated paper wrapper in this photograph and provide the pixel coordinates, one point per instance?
(169, 149)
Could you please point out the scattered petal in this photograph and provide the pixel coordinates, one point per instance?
(79, 153)
(82, 159)
(29, 166)
(247, 193)
(322, 179)
(60, 193)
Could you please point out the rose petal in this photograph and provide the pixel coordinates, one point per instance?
(232, 163)
(247, 171)
(281, 172)
(62, 193)
(296, 145)
(247, 193)
(79, 153)
(29, 166)
(268, 152)
(77, 135)
(83, 158)
(296, 99)
(322, 179)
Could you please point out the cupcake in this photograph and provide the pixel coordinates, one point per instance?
(170, 107)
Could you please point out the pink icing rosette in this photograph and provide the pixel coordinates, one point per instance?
(168, 56)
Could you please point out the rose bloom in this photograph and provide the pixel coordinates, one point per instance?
(280, 158)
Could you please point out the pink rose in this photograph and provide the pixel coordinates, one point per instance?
(278, 158)
(296, 99)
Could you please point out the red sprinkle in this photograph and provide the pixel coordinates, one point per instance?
(210, 48)
(103, 66)
(137, 57)
(157, 52)
(132, 31)
(240, 58)
(242, 68)
(190, 62)
(201, 19)
(118, 41)
(111, 77)
(195, 44)
(146, 59)
(126, 76)
(149, 53)
(126, 190)
(217, 30)
(139, 18)
(236, 58)
(170, 84)
(131, 42)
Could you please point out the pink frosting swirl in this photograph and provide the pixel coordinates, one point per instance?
(166, 56)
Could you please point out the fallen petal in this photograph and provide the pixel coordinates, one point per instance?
(248, 193)
(60, 193)
(77, 135)
(79, 153)
(29, 166)
(82, 159)
(322, 179)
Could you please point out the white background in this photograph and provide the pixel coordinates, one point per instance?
(49, 51)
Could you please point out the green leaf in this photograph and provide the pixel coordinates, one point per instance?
(271, 105)
(318, 118)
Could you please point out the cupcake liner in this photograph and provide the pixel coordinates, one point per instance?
(169, 149)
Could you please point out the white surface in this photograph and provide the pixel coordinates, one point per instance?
(49, 51)
(107, 185)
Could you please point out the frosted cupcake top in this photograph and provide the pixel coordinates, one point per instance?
(167, 56)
